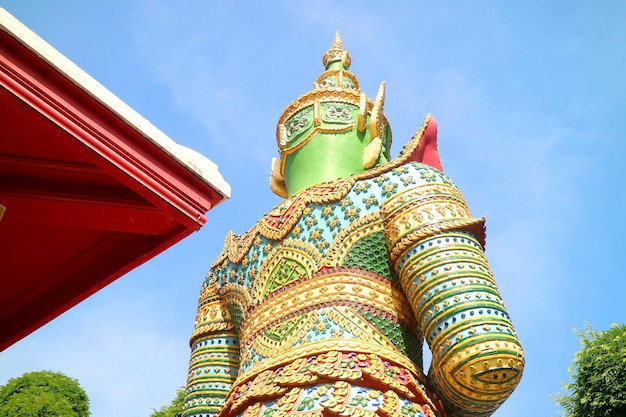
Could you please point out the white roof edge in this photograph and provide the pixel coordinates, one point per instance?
(199, 164)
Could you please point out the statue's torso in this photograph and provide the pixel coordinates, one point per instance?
(310, 289)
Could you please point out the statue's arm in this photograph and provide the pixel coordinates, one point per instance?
(437, 252)
(214, 354)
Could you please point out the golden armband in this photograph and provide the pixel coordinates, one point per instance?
(423, 211)
(212, 314)
(215, 355)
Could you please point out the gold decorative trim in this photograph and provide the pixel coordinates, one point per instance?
(236, 247)
(367, 370)
(328, 287)
(424, 210)
(407, 241)
(317, 120)
(278, 223)
(425, 193)
(336, 52)
(223, 255)
(316, 130)
(212, 315)
(236, 294)
(329, 345)
(323, 95)
(371, 153)
(301, 252)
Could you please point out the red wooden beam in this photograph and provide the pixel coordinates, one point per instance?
(91, 189)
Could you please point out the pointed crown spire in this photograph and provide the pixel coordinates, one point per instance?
(336, 53)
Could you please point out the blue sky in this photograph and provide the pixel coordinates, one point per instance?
(530, 100)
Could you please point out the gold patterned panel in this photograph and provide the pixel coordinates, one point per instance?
(277, 223)
(302, 258)
(356, 324)
(295, 330)
(329, 345)
(433, 197)
(330, 287)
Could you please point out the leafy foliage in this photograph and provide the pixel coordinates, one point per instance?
(175, 409)
(43, 394)
(598, 375)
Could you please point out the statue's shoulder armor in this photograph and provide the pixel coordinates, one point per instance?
(280, 221)
(392, 180)
(421, 201)
(235, 247)
(416, 174)
(227, 267)
(276, 225)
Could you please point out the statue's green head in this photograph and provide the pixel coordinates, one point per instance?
(331, 132)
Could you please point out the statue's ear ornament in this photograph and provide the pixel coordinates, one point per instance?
(277, 181)
(376, 120)
(371, 153)
(362, 120)
(345, 58)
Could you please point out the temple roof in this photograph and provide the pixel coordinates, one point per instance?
(90, 188)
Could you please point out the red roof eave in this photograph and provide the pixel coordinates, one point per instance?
(91, 189)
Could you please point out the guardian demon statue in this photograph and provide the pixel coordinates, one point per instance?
(322, 307)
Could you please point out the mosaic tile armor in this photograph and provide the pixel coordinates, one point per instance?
(322, 307)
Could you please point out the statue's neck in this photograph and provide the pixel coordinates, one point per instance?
(327, 157)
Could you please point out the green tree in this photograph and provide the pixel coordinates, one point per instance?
(43, 394)
(598, 375)
(175, 409)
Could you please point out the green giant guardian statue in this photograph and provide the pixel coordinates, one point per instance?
(322, 307)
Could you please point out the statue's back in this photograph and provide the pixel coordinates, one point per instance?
(320, 308)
